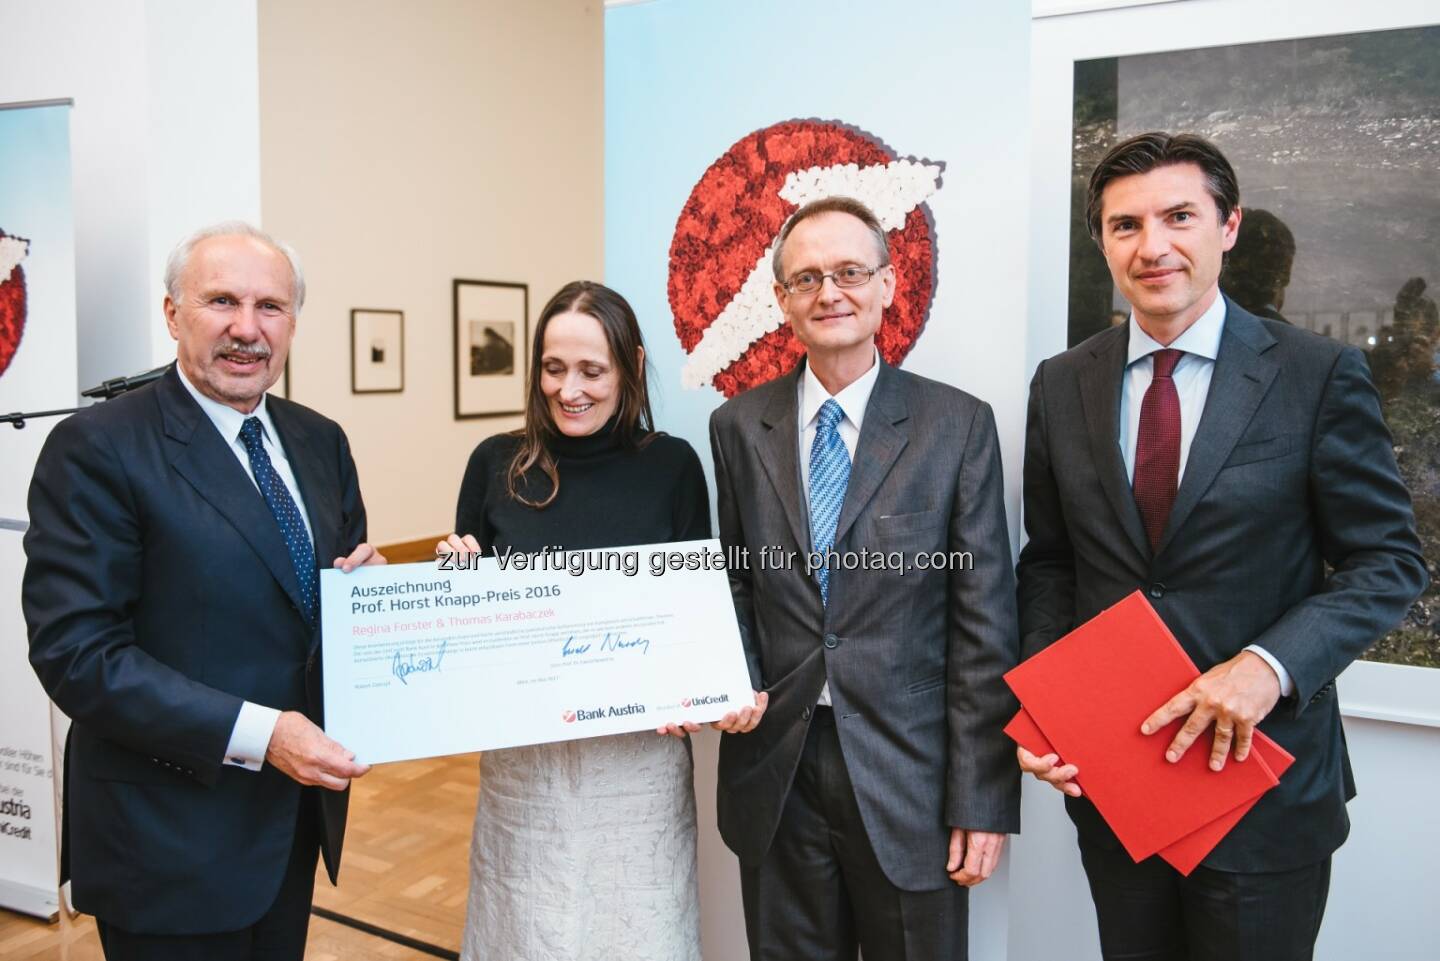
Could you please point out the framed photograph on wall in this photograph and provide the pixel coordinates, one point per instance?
(377, 351)
(491, 331)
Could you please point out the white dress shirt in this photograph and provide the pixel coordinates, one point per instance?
(852, 400)
(250, 737)
(1201, 344)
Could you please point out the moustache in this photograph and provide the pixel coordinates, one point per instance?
(257, 351)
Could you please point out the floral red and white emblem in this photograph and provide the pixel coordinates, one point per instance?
(725, 313)
(12, 296)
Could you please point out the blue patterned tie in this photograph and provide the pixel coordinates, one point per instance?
(287, 515)
(829, 476)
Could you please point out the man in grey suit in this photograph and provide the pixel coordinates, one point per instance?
(878, 622)
(1238, 471)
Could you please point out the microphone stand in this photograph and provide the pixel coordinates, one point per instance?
(113, 387)
(18, 419)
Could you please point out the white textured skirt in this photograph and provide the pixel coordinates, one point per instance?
(585, 850)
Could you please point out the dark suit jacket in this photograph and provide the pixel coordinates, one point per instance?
(159, 595)
(1291, 470)
(913, 658)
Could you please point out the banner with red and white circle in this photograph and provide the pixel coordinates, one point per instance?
(37, 372)
(720, 285)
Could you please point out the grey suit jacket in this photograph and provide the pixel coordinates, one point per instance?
(914, 657)
(1291, 470)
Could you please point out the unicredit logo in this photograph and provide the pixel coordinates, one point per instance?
(726, 316)
(706, 699)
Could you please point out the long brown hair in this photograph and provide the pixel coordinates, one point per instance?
(634, 422)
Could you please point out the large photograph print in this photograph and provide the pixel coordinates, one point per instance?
(1336, 143)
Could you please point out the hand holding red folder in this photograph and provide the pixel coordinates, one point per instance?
(1235, 695)
(1084, 698)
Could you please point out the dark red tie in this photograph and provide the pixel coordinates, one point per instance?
(1157, 447)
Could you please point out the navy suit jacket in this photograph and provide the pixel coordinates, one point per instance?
(159, 596)
(1291, 529)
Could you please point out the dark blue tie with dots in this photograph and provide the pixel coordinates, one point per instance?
(287, 515)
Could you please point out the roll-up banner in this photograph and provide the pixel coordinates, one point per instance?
(37, 372)
(721, 120)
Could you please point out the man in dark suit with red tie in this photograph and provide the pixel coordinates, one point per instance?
(171, 594)
(1239, 472)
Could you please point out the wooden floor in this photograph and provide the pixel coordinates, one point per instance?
(405, 869)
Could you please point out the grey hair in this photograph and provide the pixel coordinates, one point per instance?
(831, 205)
(180, 256)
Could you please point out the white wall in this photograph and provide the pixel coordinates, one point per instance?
(403, 146)
(163, 138)
(1382, 891)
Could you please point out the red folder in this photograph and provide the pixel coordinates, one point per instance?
(1185, 854)
(1088, 693)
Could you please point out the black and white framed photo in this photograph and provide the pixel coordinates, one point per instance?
(491, 330)
(377, 351)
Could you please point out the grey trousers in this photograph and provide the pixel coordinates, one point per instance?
(821, 895)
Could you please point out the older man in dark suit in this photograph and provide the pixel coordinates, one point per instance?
(1238, 471)
(878, 786)
(171, 594)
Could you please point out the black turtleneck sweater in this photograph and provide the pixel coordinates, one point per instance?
(610, 495)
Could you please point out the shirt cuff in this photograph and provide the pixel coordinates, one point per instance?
(251, 737)
(1287, 685)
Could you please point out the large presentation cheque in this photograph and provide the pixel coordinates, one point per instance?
(470, 654)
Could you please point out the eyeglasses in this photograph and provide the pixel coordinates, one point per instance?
(809, 281)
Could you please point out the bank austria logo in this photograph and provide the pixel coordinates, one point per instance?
(595, 714)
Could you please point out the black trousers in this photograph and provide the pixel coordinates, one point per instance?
(1150, 912)
(820, 894)
(279, 935)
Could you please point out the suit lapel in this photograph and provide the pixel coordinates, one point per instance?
(321, 504)
(202, 457)
(778, 450)
(1240, 381)
(880, 444)
(1100, 399)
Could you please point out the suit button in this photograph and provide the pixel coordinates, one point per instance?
(805, 714)
(831, 641)
(1157, 590)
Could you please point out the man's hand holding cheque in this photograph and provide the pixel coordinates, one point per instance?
(301, 750)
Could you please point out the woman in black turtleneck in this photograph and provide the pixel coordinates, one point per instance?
(584, 849)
